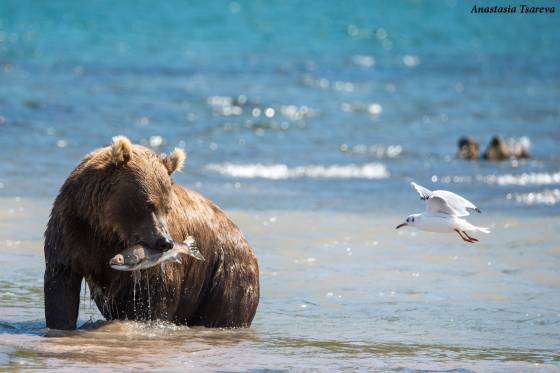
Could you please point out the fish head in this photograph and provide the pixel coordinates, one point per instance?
(130, 258)
(117, 260)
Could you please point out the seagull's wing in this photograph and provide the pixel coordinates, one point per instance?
(425, 193)
(438, 205)
(460, 205)
(447, 202)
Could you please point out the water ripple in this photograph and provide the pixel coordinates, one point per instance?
(282, 171)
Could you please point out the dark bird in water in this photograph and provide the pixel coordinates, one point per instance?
(468, 148)
(499, 150)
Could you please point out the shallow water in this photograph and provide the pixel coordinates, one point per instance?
(339, 291)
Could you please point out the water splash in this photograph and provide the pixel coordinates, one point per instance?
(149, 294)
(136, 278)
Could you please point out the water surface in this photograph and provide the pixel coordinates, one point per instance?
(322, 107)
(339, 291)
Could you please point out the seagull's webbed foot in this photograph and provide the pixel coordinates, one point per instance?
(469, 240)
(469, 237)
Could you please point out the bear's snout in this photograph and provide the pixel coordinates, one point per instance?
(163, 244)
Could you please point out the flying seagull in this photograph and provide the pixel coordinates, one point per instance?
(444, 212)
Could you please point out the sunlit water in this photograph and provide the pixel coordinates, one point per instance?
(339, 291)
(324, 107)
(307, 120)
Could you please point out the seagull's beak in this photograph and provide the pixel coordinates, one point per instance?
(401, 225)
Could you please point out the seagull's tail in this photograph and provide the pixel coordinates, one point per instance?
(464, 225)
(482, 229)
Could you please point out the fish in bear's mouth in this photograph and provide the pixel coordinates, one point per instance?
(138, 257)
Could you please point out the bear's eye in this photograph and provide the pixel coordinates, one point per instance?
(151, 206)
(413, 220)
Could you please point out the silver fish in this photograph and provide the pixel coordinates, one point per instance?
(139, 257)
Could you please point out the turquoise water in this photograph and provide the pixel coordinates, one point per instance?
(383, 90)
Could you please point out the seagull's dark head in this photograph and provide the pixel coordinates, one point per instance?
(411, 220)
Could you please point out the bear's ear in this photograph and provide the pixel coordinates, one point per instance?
(121, 150)
(174, 161)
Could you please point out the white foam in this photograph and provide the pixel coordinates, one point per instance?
(390, 151)
(373, 108)
(363, 60)
(532, 178)
(526, 178)
(545, 197)
(282, 171)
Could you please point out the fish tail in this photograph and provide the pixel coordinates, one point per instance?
(190, 241)
(194, 252)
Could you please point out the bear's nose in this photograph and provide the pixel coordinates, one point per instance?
(164, 244)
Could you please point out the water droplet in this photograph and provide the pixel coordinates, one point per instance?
(155, 141)
(411, 60)
(375, 109)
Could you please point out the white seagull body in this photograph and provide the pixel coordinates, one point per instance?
(444, 212)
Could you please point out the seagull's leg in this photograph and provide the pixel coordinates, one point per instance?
(469, 237)
(464, 239)
(460, 235)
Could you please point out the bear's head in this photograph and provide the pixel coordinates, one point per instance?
(141, 193)
(125, 191)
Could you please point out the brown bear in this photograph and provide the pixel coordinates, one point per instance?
(123, 195)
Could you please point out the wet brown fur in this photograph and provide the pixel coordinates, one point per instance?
(86, 229)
